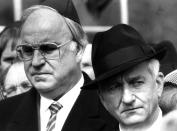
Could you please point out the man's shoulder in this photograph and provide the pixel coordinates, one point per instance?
(8, 107)
(18, 108)
(12, 101)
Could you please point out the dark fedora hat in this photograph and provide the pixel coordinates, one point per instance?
(119, 49)
(64, 7)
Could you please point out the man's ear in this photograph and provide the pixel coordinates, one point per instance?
(160, 83)
(79, 52)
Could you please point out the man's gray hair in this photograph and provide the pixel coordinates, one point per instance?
(153, 67)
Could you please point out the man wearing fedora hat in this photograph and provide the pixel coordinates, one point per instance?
(127, 77)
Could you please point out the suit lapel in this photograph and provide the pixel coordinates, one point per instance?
(26, 116)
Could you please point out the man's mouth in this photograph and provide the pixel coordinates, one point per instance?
(130, 109)
(39, 73)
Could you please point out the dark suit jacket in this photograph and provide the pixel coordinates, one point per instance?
(21, 113)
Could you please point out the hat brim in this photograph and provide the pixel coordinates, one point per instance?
(125, 66)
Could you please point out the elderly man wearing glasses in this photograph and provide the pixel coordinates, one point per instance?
(51, 48)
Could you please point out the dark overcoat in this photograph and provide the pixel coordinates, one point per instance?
(21, 113)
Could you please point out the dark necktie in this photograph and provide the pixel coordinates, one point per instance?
(54, 108)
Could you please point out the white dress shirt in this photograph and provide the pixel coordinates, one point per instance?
(67, 101)
(155, 126)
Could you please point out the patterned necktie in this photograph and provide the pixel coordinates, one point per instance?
(54, 108)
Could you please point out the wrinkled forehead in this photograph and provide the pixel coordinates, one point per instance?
(44, 19)
(135, 71)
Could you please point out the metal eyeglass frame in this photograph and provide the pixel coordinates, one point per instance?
(19, 52)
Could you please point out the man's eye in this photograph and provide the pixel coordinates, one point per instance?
(137, 83)
(27, 49)
(115, 87)
(48, 48)
(9, 60)
(26, 85)
(10, 90)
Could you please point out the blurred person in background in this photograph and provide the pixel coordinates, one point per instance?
(8, 40)
(2, 74)
(168, 66)
(168, 101)
(169, 61)
(15, 80)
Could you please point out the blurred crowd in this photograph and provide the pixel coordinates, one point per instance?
(11, 68)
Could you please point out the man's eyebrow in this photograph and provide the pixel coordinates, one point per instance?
(11, 88)
(46, 39)
(9, 58)
(134, 78)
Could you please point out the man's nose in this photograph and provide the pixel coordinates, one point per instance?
(128, 96)
(18, 90)
(37, 59)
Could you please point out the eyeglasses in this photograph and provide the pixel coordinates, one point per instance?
(49, 50)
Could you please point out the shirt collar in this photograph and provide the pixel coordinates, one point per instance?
(155, 126)
(70, 96)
